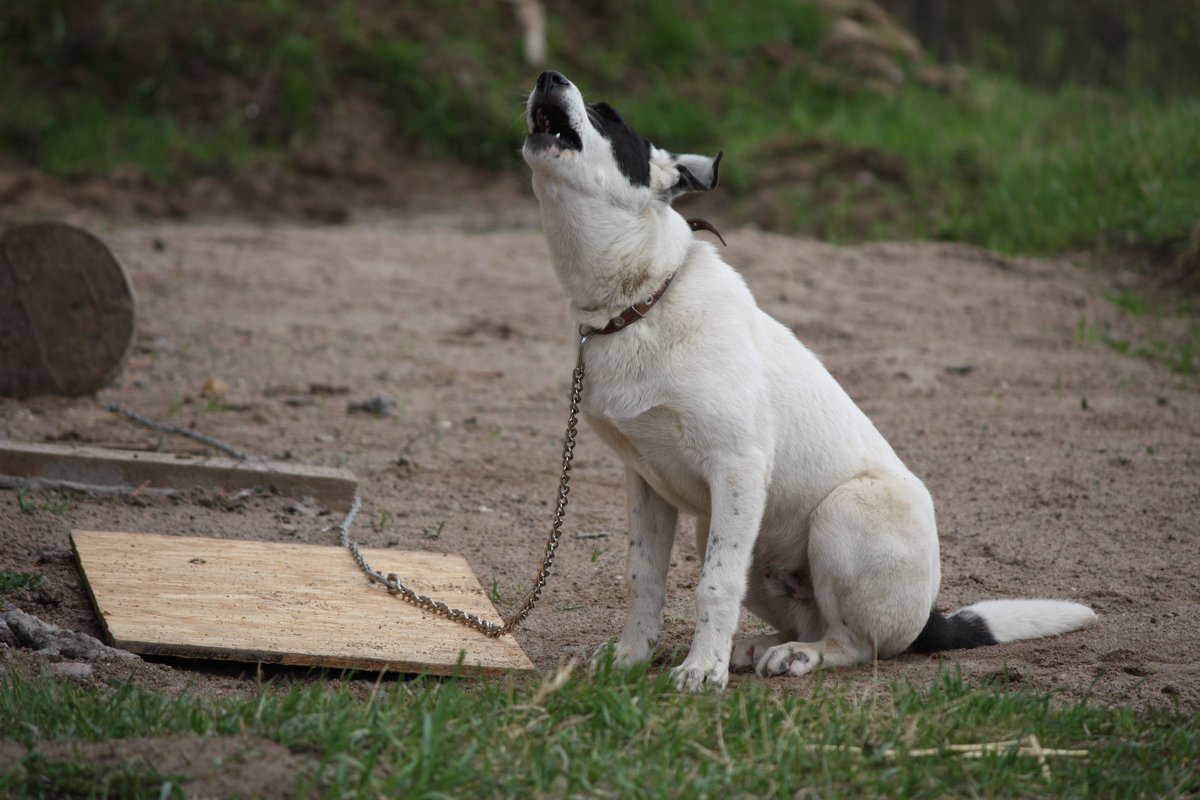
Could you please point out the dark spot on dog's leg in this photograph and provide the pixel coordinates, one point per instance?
(713, 541)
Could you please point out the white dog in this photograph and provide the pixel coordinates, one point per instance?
(803, 511)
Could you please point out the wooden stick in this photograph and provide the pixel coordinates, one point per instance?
(95, 469)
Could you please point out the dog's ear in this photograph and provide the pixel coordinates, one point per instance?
(696, 173)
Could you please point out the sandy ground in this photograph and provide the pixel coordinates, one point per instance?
(1060, 468)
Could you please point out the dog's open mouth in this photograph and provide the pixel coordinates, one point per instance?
(552, 126)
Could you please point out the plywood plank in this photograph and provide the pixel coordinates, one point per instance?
(285, 604)
(94, 468)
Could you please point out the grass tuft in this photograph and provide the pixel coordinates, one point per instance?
(13, 581)
(55, 504)
(625, 732)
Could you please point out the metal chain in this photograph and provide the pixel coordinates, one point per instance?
(391, 580)
(487, 627)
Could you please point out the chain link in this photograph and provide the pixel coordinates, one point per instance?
(488, 628)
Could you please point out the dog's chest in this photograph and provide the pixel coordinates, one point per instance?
(649, 443)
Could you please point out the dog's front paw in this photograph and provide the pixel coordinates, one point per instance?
(792, 658)
(605, 654)
(622, 654)
(694, 677)
(626, 653)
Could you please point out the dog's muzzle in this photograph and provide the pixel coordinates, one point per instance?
(549, 122)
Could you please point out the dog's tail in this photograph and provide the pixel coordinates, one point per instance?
(995, 621)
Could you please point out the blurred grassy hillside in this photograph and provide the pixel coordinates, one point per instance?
(1070, 126)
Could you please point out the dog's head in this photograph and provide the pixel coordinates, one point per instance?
(591, 150)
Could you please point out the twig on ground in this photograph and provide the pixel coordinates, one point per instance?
(162, 427)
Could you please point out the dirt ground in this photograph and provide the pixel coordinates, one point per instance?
(1060, 468)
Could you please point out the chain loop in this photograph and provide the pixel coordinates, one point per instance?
(396, 586)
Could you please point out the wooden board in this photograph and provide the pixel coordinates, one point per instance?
(67, 311)
(98, 469)
(285, 604)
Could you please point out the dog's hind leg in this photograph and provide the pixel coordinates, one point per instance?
(785, 604)
(652, 522)
(804, 626)
(873, 560)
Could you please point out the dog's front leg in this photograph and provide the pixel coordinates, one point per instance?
(738, 498)
(651, 533)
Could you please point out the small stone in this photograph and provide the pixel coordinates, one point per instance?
(51, 640)
(576, 651)
(80, 673)
(215, 387)
(381, 405)
(305, 507)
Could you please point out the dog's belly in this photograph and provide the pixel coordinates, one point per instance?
(651, 450)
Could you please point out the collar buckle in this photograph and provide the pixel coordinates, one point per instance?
(632, 314)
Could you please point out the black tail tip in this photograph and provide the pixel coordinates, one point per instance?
(961, 631)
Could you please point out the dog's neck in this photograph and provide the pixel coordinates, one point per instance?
(607, 258)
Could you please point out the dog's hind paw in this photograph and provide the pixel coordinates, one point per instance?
(691, 678)
(747, 652)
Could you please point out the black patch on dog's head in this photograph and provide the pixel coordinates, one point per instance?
(630, 148)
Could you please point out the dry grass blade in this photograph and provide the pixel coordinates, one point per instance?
(1029, 746)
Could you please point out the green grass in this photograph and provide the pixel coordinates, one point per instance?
(12, 581)
(1151, 328)
(43, 777)
(627, 734)
(76, 135)
(1006, 166)
(1027, 171)
(54, 504)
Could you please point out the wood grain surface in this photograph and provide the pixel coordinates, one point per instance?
(279, 603)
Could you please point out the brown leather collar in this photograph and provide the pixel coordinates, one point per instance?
(642, 307)
(634, 312)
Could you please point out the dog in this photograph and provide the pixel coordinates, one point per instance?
(804, 513)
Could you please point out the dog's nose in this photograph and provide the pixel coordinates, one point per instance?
(551, 80)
